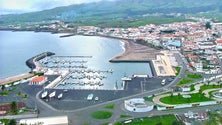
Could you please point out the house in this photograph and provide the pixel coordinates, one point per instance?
(199, 67)
(185, 88)
(193, 57)
(39, 80)
(219, 43)
(172, 45)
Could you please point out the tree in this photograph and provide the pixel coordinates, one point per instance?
(171, 95)
(12, 122)
(177, 123)
(200, 91)
(208, 25)
(3, 87)
(179, 95)
(14, 107)
(160, 123)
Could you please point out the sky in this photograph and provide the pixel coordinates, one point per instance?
(21, 6)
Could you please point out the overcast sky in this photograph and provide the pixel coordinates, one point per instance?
(20, 6)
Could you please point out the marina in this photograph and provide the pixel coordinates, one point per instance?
(77, 76)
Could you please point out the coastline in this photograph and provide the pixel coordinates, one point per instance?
(133, 52)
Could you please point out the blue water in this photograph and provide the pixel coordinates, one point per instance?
(17, 47)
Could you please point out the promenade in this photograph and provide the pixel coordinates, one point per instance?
(15, 78)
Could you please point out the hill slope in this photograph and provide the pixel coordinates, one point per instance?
(118, 10)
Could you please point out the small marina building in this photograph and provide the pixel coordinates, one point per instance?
(138, 105)
(39, 80)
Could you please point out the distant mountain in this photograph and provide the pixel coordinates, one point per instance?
(118, 10)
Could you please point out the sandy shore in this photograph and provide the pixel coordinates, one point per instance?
(135, 52)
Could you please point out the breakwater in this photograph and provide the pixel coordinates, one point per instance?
(31, 63)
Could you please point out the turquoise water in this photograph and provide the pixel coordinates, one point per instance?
(17, 47)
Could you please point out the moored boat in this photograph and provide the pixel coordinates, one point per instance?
(60, 96)
(44, 94)
(52, 94)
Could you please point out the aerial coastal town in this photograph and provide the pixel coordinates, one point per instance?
(185, 86)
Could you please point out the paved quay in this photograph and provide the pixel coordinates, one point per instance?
(75, 99)
(163, 64)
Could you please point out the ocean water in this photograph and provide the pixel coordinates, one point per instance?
(17, 47)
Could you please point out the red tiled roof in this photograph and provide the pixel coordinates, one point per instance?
(38, 79)
(219, 41)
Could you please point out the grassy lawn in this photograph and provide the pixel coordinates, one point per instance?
(160, 120)
(6, 121)
(101, 115)
(150, 99)
(7, 92)
(184, 81)
(178, 70)
(111, 106)
(180, 100)
(214, 119)
(211, 93)
(192, 88)
(125, 116)
(204, 87)
(194, 76)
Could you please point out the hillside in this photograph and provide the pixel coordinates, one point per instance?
(116, 13)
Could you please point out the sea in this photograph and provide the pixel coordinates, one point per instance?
(17, 47)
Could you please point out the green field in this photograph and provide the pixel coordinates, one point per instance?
(184, 81)
(101, 115)
(178, 70)
(205, 87)
(157, 120)
(111, 106)
(194, 76)
(180, 100)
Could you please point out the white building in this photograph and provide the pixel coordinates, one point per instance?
(199, 67)
(138, 105)
(39, 80)
(58, 120)
(185, 88)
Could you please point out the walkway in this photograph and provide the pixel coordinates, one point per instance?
(15, 78)
(157, 101)
(206, 93)
(197, 87)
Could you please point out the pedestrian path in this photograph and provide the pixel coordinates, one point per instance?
(206, 94)
(197, 88)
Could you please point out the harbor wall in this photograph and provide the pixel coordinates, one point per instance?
(31, 62)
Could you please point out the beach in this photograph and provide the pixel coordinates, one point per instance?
(135, 52)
